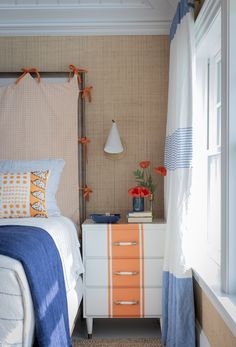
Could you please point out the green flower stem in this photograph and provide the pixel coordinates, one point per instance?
(143, 178)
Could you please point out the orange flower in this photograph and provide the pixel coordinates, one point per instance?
(139, 192)
(161, 170)
(144, 164)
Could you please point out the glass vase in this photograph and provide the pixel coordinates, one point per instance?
(151, 198)
(138, 204)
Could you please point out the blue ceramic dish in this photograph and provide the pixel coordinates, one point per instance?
(103, 218)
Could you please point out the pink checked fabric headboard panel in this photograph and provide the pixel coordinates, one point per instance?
(39, 121)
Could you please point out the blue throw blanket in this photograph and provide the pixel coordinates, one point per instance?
(37, 252)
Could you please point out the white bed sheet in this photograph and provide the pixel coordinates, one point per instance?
(16, 309)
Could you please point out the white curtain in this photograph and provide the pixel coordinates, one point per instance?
(178, 305)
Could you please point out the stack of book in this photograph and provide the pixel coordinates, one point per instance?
(140, 217)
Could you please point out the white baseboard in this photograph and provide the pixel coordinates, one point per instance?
(202, 340)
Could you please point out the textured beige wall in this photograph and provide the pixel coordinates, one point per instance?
(214, 327)
(130, 79)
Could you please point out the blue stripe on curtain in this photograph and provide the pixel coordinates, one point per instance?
(178, 311)
(183, 7)
(179, 149)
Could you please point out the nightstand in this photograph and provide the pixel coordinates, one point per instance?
(123, 270)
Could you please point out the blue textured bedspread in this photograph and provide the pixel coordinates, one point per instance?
(37, 252)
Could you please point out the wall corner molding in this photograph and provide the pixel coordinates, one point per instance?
(36, 18)
(85, 29)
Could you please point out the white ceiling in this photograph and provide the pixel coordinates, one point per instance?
(86, 17)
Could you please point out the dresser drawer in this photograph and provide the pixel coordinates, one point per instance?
(124, 272)
(117, 241)
(124, 302)
(124, 241)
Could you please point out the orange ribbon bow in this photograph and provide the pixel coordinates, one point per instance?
(76, 71)
(85, 141)
(86, 192)
(86, 93)
(28, 70)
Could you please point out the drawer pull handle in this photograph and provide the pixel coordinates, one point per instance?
(126, 302)
(126, 273)
(128, 243)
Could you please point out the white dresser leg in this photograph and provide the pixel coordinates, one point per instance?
(89, 323)
(161, 324)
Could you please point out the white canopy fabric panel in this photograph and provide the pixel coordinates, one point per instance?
(38, 120)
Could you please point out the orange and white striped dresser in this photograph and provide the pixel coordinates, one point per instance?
(123, 270)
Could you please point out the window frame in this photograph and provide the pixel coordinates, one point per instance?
(228, 128)
(222, 295)
(203, 24)
(208, 52)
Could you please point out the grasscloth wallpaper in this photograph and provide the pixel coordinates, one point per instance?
(130, 79)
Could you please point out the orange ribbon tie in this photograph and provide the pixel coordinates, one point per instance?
(85, 141)
(76, 71)
(86, 93)
(25, 71)
(86, 192)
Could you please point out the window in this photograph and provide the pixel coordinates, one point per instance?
(216, 144)
(207, 124)
(213, 157)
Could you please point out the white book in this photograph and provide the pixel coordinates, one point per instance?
(140, 214)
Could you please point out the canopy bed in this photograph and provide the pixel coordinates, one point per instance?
(40, 122)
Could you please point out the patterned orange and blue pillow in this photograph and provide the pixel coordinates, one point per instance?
(54, 165)
(23, 194)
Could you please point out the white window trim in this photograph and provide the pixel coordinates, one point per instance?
(208, 48)
(205, 18)
(212, 149)
(228, 129)
(208, 277)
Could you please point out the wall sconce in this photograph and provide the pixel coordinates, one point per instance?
(114, 147)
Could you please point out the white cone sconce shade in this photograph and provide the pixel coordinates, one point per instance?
(113, 144)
